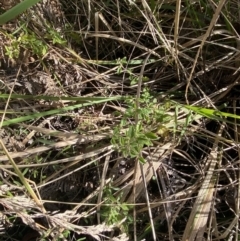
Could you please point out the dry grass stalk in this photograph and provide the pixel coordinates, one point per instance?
(197, 222)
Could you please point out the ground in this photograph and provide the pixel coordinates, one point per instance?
(120, 121)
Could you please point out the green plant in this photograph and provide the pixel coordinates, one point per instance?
(13, 49)
(26, 41)
(55, 37)
(65, 234)
(32, 42)
(117, 211)
(130, 138)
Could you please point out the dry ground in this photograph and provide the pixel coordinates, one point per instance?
(66, 147)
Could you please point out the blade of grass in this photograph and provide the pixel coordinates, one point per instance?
(53, 112)
(212, 114)
(207, 112)
(22, 178)
(16, 10)
(70, 98)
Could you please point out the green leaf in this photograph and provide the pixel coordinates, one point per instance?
(124, 207)
(144, 141)
(121, 141)
(151, 136)
(134, 80)
(131, 132)
(134, 151)
(25, 171)
(9, 194)
(142, 160)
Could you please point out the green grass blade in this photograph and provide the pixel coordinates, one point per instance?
(54, 112)
(70, 98)
(212, 114)
(16, 10)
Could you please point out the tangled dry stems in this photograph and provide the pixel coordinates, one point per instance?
(194, 60)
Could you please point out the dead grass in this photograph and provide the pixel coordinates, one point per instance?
(183, 52)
